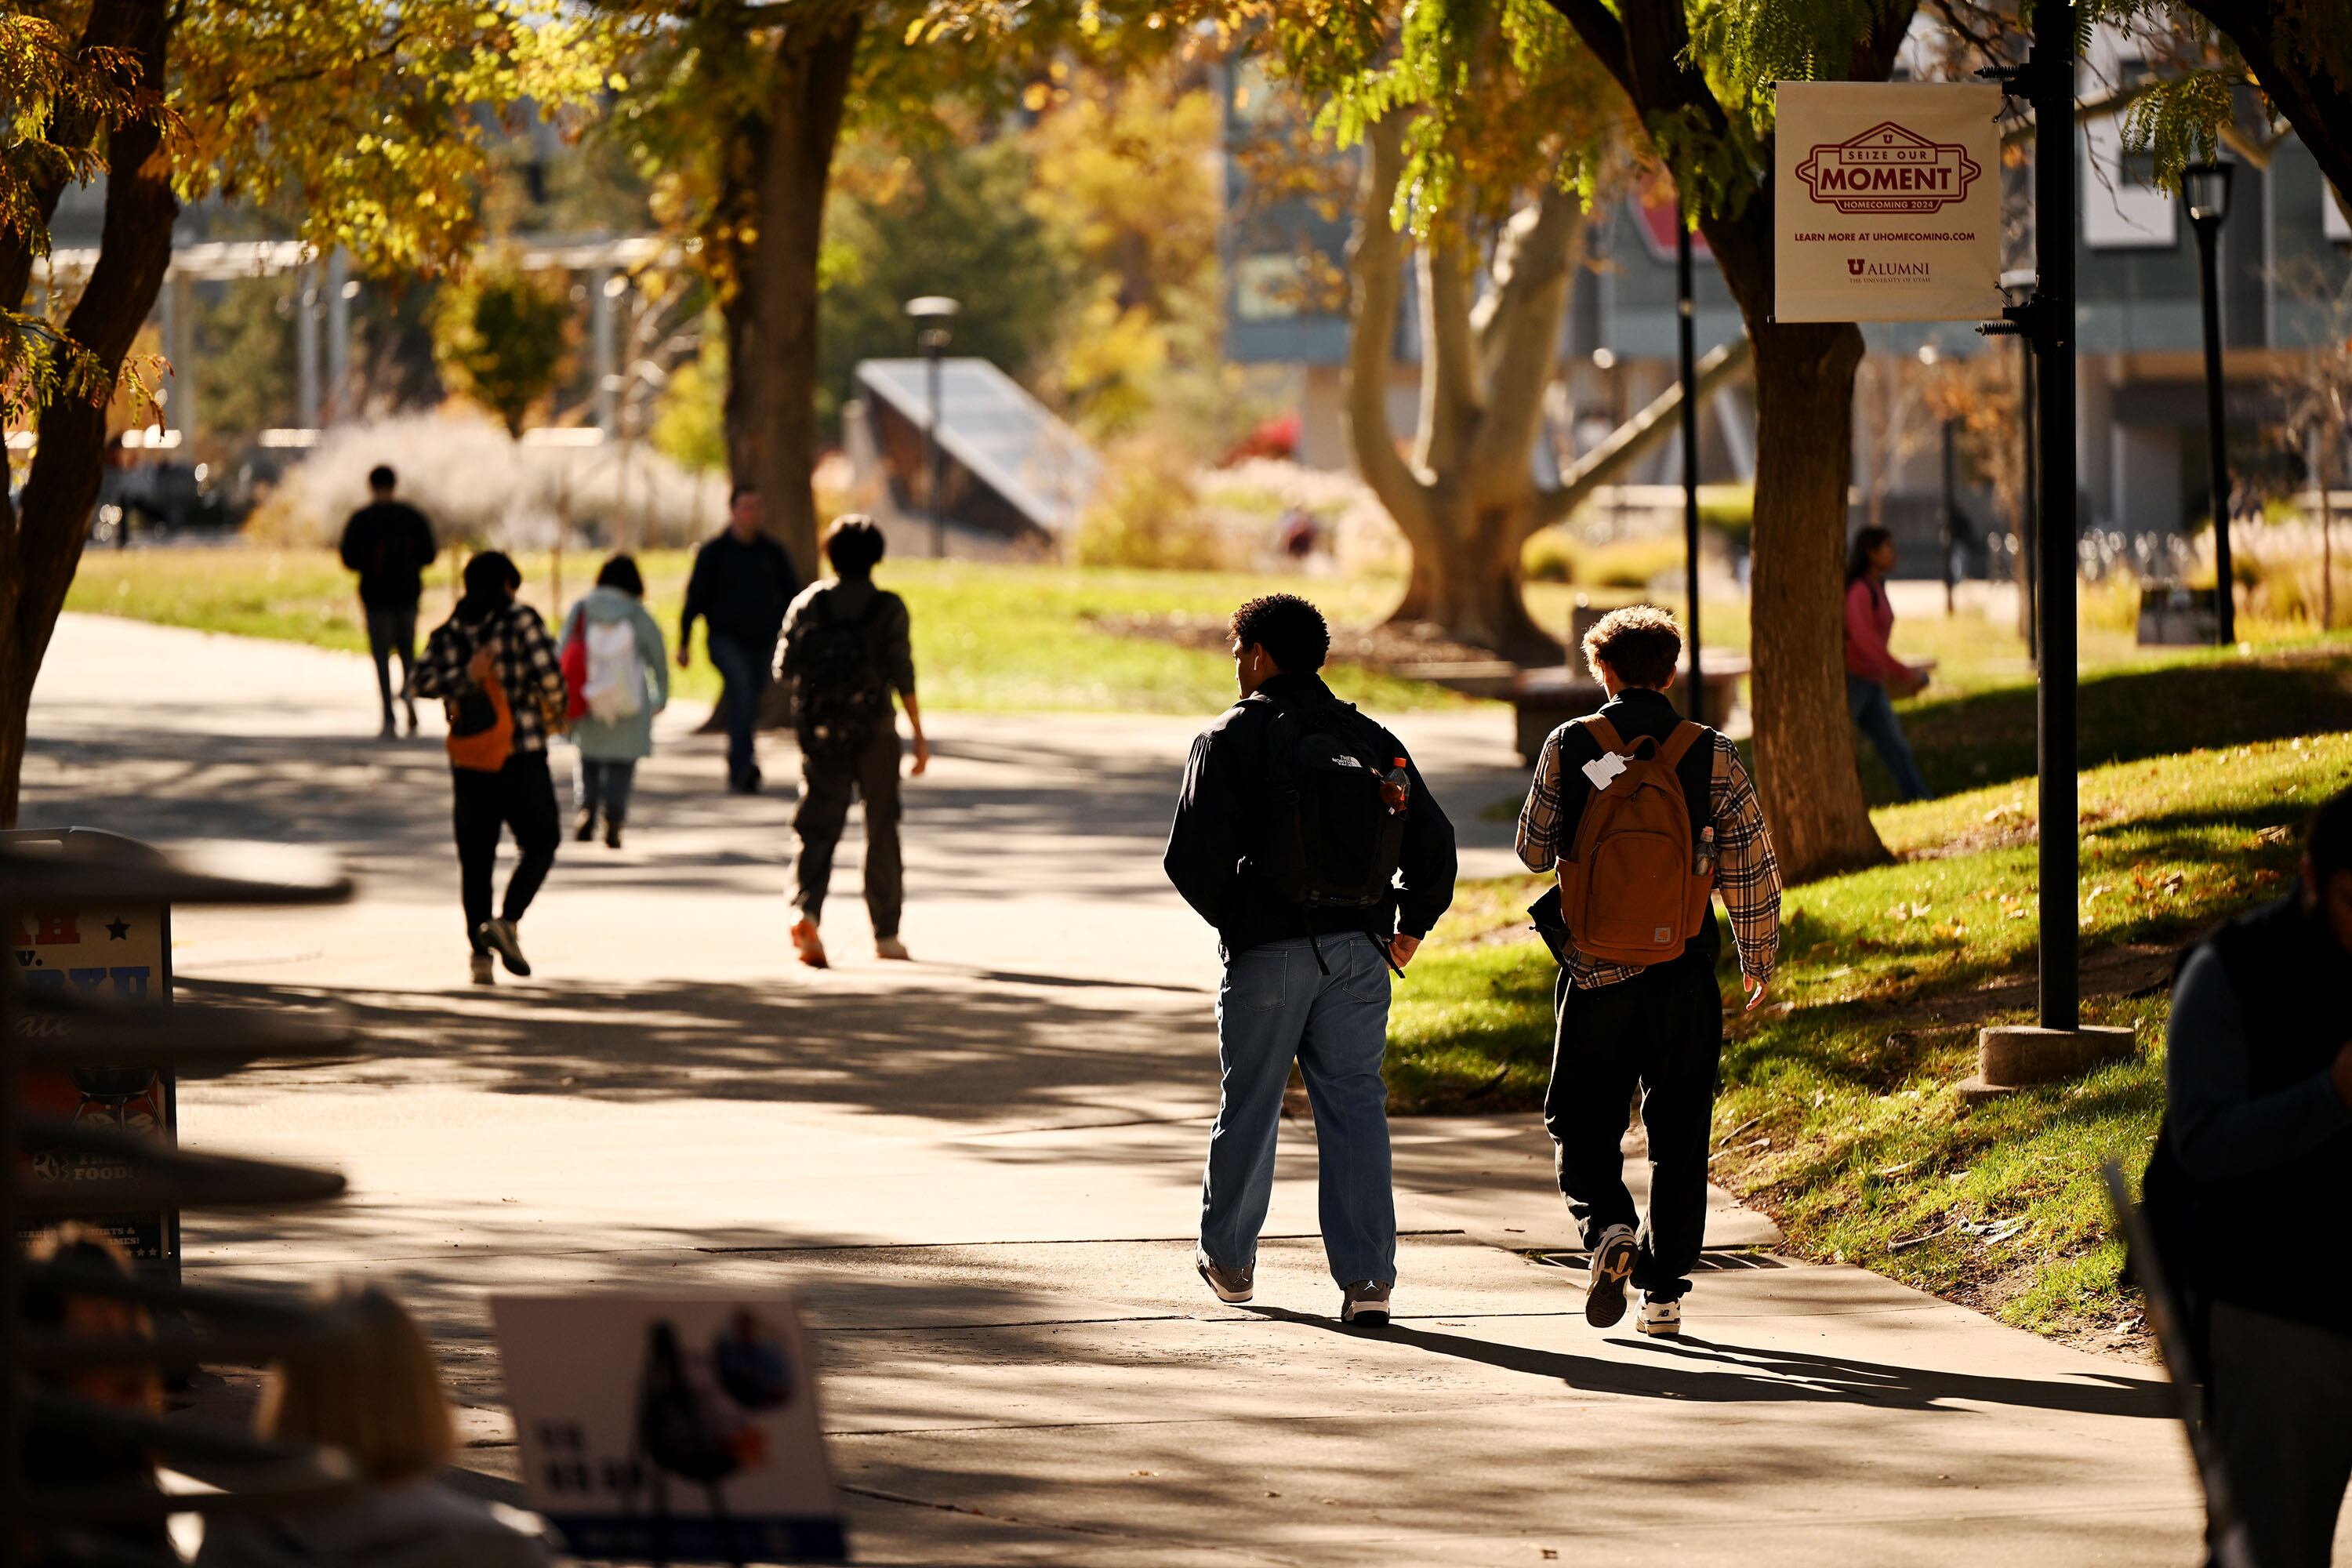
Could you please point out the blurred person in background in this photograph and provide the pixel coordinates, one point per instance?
(389, 543)
(372, 1393)
(624, 682)
(741, 584)
(846, 653)
(1874, 678)
(499, 677)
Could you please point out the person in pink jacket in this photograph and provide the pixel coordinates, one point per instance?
(1874, 676)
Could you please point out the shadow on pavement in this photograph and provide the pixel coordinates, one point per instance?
(1746, 1374)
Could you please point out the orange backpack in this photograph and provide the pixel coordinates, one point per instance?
(1635, 886)
(481, 728)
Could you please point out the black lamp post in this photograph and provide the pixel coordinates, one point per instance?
(931, 312)
(2206, 189)
(1686, 350)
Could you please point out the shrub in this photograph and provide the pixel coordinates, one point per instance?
(1555, 555)
(1147, 514)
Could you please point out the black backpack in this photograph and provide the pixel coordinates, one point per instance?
(1336, 796)
(839, 696)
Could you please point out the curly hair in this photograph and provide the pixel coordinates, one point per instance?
(1640, 643)
(1292, 631)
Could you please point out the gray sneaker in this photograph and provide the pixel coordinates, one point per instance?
(503, 941)
(1232, 1286)
(1610, 1266)
(1365, 1304)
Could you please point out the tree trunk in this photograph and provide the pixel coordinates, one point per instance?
(778, 173)
(1471, 590)
(41, 540)
(1804, 738)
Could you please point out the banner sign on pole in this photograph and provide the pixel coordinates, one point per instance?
(1886, 202)
(675, 1427)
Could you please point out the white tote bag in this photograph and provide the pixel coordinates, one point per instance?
(616, 684)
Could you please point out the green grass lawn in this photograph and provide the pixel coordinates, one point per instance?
(987, 636)
(1840, 1113)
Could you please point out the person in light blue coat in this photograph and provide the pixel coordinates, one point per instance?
(618, 728)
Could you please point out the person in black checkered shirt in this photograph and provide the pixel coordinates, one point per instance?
(1657, 1028)
(490, 635)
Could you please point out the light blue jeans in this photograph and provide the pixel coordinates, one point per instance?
(1276, 1007)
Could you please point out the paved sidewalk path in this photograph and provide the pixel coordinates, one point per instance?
(981, 1172)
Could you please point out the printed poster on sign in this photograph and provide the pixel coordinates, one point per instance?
(1886, 202)
(111, 953)
(677, 1427)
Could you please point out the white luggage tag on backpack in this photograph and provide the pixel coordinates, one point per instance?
(1604, 769)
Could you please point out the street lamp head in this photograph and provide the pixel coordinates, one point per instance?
(2206, 188)
(1604, 359)
(932, 307)
(1928, 353)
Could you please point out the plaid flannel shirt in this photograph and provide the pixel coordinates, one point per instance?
(526, 663)
(1746, 876)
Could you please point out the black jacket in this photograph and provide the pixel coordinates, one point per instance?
(742, 590)
(389, 544)
(1220, 824)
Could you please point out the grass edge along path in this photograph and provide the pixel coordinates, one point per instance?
(990, 637)
(1840, 1114)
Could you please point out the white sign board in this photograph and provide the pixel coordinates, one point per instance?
(675, 1427)
(1886, 202)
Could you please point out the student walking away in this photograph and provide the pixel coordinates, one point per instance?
(845, 651)
(497, 675)
(2259, 1080)
(618, 676)
(1646, 816)
(371, 1392)
(741, 584)
(1874, 678)
(1308, 839)
(389, 543)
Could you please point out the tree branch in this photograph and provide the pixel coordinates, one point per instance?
(1519, 337)
(1374, 260)
(1451, 403)
(1637, 437)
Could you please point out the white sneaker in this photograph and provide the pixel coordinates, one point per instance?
(1365, 1304)
(1609, 1266)
(1660, 1317)
(485, 971)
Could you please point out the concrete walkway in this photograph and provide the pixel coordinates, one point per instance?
(981, 1171)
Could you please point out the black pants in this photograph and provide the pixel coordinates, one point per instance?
(392, 630)
(2280, 1389)
(521, 796)
(1661, 1032)
(827, 783)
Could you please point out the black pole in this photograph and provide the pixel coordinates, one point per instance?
(2028, 540)
(1685, 326)
(1951, 508)
(2053, 73)
(931, 352)
(2225, 593)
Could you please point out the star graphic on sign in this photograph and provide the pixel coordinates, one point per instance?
(118, 930)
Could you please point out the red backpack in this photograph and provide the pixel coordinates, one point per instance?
(1635, 884)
